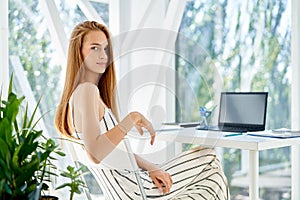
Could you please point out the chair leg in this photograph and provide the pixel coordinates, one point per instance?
(135, 168)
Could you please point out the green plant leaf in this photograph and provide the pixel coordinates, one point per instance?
(4, 172)
(27, 171)
(7, 188)
(25, 158)
(66, 174)
(63, 185)
(33, 114)
(10, 83)
(17, 130)
(6, 131)
(15, 159)
(4, 150)
(76, 190)
(60, 153)
(32, 189)
(27, 150)
(24, 126)
(12, 107)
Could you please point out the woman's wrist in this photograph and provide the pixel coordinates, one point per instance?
(150, 167)
(126, 124)
(122, 128)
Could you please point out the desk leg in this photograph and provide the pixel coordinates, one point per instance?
(253, 175)
(295, 175)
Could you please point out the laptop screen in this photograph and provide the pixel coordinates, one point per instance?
(243, 109)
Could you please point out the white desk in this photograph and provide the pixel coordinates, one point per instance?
(216, 139)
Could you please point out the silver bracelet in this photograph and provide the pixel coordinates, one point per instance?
(122, 128)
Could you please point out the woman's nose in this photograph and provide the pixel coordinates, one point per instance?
(102, 54)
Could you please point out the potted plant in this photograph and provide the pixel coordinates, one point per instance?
(25, 155)
(75, 180)
(47, 166)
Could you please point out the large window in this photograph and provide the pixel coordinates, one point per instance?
(30, 43)
(223, 45)
(229, 45)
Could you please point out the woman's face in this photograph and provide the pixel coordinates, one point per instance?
(95, 52)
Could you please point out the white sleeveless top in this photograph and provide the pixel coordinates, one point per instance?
(106, 123)
(118, 158)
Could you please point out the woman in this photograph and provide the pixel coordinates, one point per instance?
(88, 109)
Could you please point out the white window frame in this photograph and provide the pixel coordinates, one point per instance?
(295, 94)
(119, 7)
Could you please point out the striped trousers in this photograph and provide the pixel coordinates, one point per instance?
(196, 174)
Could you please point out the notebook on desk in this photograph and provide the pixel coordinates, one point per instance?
(278, 133)
(241, 112)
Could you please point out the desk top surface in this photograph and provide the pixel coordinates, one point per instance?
(217, 139)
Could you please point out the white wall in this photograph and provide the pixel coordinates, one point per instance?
(4, 72)
(144, 44)
(145, 33)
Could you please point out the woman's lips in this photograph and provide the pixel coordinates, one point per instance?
(101, 63)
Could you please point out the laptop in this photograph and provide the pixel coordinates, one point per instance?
(241, 112)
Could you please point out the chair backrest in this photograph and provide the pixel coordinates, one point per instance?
(99, 171)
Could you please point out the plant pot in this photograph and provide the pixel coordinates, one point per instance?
(48, 197)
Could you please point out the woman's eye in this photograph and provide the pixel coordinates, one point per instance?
(95, 48)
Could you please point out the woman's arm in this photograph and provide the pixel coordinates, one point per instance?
(98, 145)
(161, 178)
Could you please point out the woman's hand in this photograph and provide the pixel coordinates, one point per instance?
(139, 121)
(162, 180)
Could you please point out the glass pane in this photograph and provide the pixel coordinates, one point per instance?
(229, 45)
(30, 41)
(40, 70)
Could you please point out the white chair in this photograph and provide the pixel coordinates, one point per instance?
(79, 155)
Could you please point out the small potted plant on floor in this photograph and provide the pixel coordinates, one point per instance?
(75, 181)
(25, 155)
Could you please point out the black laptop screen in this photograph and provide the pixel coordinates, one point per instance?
(243, 108)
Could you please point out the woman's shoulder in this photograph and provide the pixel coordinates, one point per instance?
(87, 88)
(87, 85)
(86, 94)
(87, 97)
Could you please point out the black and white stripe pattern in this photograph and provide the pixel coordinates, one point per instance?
(196, 173)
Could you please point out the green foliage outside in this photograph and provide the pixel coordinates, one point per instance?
(223, 40)
(30, 40)
(245, 46)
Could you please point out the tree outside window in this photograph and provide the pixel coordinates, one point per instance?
(245, 45)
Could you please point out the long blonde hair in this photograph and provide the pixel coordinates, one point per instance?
(106, 84)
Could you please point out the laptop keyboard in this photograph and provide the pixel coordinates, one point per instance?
(225, 129)
(234, 129)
